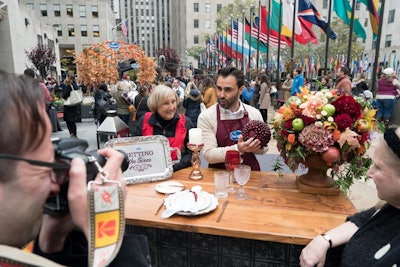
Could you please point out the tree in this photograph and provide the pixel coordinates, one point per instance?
(42, 58)
(171, 59)
(195, 51)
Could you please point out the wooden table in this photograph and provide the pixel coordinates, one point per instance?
(275, 211)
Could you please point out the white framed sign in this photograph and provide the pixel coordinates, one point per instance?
(149, 157)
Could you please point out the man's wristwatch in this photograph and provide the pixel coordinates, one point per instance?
(327, 238)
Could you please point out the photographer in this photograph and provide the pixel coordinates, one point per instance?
(25, 183)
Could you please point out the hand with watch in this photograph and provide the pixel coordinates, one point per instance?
(314, 254)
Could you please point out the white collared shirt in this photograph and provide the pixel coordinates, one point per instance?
(233, 115)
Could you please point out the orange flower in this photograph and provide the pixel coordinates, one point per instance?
(336, 135)
(291, 138)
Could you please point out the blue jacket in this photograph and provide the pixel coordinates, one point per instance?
(248, 93)
(297, 82)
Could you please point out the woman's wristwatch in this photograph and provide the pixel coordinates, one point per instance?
(327, 238)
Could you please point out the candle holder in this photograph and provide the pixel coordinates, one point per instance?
(195, 174)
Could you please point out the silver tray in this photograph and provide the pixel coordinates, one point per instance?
(149, 158)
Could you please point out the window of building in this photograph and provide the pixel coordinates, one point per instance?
(83, 30)
(208, 8)
(208, 24)
(95, 12)
(43, 9)
(58, 28)
(39, 39)
(71, 30)
(357, 5)
(195, 7)
(82, 11)
(325, 4)
(96, 31)
(30, 5)
(196, 39)
(388, 40)
(70, 11)
(57, 12)
(365, 22)
(391, 16)
(196, 23)
(219, 7)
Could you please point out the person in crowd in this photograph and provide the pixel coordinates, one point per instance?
(371, 237)
(248, 93)
(102, 103)
(325, 83)
(123, 101)
(257, 88)
(210, 94)
(191, 84)
(386, 96)
(176, 86)
(287, 86)
(192, 105)
(46, 93)
(222, 122)
(343, 81)
(163, 119)
(361, 85)
(298, 81)
(140, 102)
(29, 175)
(71, 113)
(265, 97)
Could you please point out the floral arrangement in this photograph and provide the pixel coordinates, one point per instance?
(328, 123)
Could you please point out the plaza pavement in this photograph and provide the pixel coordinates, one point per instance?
(362, 194)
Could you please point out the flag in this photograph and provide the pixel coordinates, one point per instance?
(308, 12)
(124, 28)
(373, 7)
(264, 31)
(234, 30)
(287, 25)
(343, 11)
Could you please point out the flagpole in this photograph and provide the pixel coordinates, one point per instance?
(243, 33)
(279, 44)
(328, 34)
(226, 47)
(258, 33)
(268, 24)
(293, 28)
(378, 44)
(351, 34)
(237, 41)
(251, 25)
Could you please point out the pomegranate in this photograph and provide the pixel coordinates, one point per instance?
(331, 155)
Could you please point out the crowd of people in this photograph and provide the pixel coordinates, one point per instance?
(220, 106)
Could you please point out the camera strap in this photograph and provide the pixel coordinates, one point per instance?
(106, 218)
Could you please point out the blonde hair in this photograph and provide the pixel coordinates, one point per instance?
(158, 95)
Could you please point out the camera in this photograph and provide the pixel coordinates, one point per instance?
(66, 149)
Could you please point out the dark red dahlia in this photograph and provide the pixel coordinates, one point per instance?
(308, 120)
(347, 104)
(343, 121)
(258, 130)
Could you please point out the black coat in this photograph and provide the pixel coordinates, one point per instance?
(192, 105)
(100, 111)
(71, 113)
(142, 108)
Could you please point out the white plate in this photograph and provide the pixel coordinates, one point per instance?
(206, 202)
(169, 187)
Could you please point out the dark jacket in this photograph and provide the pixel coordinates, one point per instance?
(71, 113)
(168, 131)
(192, 105)
(142, 108)
(101, 104)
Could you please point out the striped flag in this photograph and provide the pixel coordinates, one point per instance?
(124, 28)
(234, 30)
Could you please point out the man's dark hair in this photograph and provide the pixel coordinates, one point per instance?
(345, 70)
(29, 73)
(298, 71)
(238, 74)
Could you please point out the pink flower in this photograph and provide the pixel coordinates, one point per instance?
(316, 138)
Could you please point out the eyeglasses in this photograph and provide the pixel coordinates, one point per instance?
(59, 169)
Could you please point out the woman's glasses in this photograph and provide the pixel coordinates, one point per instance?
(59, 169)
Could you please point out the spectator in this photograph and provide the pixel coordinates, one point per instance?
(386, 96)
(287, 86)
(102, 100)
(298, 82)
(265, 97)
(71, 113)
(210, 95)
(371, 237)
(163, 119)
(192, 105)
(343, 81)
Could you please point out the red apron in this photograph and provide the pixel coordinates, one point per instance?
(232, 129)
(176, 141)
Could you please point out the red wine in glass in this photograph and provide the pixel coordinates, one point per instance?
(232, 158)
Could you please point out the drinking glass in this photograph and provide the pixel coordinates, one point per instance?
(232, 158)
(242, 175)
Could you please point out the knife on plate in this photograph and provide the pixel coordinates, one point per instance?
(222, 210)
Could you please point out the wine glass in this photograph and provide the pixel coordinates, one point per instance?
(232, 158)
(242, 175)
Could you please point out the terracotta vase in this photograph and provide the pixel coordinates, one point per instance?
(316, 181)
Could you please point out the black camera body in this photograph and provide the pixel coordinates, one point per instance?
(66, 149)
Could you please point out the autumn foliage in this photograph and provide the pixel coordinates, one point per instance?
(99, 63)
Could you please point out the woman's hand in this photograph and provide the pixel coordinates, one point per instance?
(314, 254)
